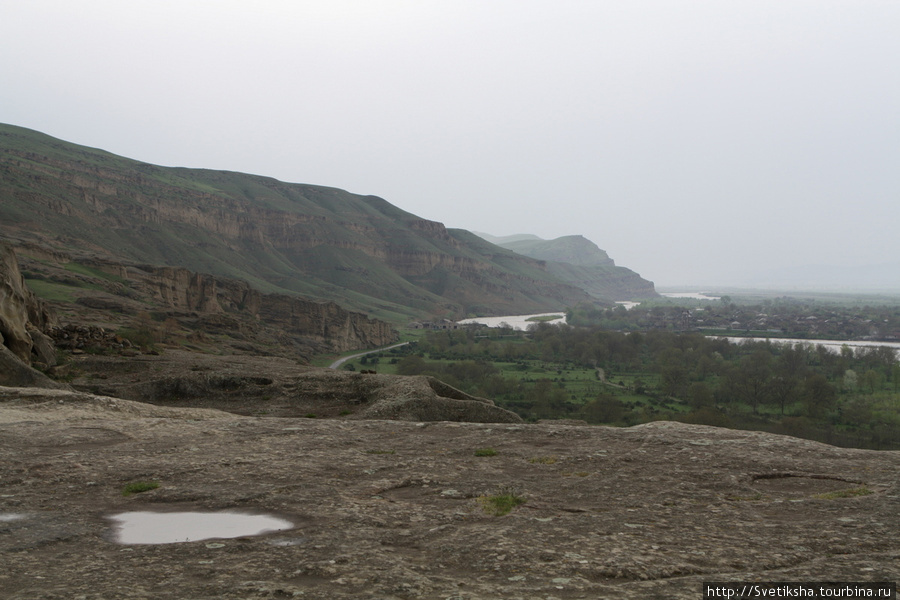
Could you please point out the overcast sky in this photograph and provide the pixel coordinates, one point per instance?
(695, 141)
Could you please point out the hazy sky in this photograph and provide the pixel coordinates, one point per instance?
(695, 141)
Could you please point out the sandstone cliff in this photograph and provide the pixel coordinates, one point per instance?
(22, 315)
(22, 320)
(104, 289)
(323, 322)
(359, 251)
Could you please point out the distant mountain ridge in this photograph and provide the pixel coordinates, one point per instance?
(323, 243)
(579, 262)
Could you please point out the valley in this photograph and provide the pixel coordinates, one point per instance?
(166, 335)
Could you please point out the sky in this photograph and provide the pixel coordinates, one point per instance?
(698, 142)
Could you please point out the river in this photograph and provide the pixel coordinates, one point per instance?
(521, 323)
(833, 345)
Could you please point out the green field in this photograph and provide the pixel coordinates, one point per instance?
(851, 398)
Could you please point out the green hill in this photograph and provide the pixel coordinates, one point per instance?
(580, 262)
(320, 242)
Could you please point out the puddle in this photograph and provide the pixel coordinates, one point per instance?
(180, 527)
(6, 517)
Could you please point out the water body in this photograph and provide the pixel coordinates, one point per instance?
(833, 345)
(628, 304)
(689, 295)
(144, 527)
(519, 322)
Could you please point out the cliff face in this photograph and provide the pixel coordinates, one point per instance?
(325, 322)
(326, 243)
(22, 316)
(581, 263)
(180, 291)
(23, 320)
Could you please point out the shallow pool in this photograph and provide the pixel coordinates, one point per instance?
(178, 527)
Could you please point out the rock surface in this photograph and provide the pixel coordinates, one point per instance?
(21, 313)
(279, 387)
(22, 316)
(14, 372)
(396, 510)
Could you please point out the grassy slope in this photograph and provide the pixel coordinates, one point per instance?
(317, 241)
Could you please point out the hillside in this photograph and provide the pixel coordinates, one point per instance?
(580, 262)
(320, 242)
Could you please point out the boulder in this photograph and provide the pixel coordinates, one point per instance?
(15, 373)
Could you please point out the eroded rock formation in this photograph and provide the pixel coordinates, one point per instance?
(22, 315)
(22, 318)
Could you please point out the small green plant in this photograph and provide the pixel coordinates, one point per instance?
(344, 413)
(137, 487)
(501, 503)
(542, 460)
(485, 452)
(310, 415)
(850, 493)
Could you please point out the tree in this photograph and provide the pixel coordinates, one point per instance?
(851, 381)
(411, 365)
(818, 395)
(873, 380)
(603, 409)
(749, 381)
(700, 395)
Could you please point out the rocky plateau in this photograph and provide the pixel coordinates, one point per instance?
(392, 509)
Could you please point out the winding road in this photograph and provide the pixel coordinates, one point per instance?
(341, 361)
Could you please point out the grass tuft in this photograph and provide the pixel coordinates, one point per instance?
(485, 452)
(501, 503)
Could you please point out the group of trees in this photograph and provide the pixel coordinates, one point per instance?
(849, 397)
(785, 316)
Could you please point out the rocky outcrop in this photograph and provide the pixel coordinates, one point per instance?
(181, 289)
(22, 315)
(216, 303)
(411, 510)
(14, 372)
(322, 322)
(325, 322)
(397, 398)
(274, 386)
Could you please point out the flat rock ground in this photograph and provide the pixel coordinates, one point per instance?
(395, 510)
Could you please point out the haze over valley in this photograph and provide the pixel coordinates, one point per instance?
(448, 300)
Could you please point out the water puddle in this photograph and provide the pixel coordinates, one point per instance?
(179, 527)
(8, 517)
